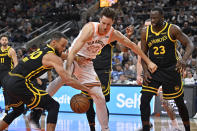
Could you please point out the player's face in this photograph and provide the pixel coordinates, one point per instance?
(156, 19)
(61, 45)
(147, 23)
(105, 24)
(4, 41)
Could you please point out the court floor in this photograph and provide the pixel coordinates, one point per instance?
(78, 122)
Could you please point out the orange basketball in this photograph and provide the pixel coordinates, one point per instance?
(79, 103)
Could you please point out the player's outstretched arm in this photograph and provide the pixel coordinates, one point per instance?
(144, 48)
(51, 60)
(126, 42)
(85, 35)
(139, 68)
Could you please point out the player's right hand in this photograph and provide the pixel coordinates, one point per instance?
(152, 67)
(181, 65)
(139, 80)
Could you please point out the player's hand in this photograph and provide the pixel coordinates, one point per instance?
(146, 78)
(181, 65)
(130, 30)
(139, 80)
(152, 67)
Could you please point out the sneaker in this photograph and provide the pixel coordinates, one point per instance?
(195, 116)
(33, 124)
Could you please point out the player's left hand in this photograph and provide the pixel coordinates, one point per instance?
(152, 67)
(147, 77)
(181, 65)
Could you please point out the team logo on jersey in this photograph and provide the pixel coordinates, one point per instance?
(158, 40)
(176, 88)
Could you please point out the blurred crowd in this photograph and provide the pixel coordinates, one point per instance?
(19, 18)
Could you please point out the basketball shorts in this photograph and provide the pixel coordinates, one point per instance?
(2, 75)
(104, 77)
(22, 91)
(86, 74)
(169, 79)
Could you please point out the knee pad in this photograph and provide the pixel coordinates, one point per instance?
(12, 115)
(183, 112)
(53, 110)
(145, 99)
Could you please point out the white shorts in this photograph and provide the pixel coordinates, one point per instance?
(86, 74)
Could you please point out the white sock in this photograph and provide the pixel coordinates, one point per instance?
(175, 123)
(54, 86)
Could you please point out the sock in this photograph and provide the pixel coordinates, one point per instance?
(187, 127)
(146, 128)
(92, 126)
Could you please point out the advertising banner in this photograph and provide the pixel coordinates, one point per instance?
(123, 100)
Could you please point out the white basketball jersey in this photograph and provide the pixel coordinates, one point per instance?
(91, 48)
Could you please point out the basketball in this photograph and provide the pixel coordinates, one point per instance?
(79, 103)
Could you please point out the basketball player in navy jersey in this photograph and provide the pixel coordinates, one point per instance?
(165, 104)
(20, 89)
(158, 41)
(8, 60)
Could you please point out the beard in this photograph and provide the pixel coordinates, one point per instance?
(4, 44)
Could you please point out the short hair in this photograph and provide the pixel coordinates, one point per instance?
(108, 12)
(57, 36)
(148, 20)
(4, 36)
(158, 9)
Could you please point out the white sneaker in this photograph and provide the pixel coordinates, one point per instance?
(195, 116)
(4, 114)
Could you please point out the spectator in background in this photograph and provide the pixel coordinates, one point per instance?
(181, 17)
(189, 80)
(117, 72)
(130, 74)
(187, 29)
(118, 56)
(123, 80)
